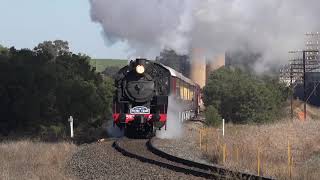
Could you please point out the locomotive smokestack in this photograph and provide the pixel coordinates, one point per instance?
(140, 61)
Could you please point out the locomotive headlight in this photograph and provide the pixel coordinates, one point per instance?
(140, 69)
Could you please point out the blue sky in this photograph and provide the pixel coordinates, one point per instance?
(25, 23)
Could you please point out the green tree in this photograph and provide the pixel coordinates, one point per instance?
(41, 88)
(3, 50)
(240, 97)
(52, 49)
(111, 71)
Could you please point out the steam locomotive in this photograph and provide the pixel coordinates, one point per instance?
(141, 98)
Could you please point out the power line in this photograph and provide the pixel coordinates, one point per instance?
(295, 72)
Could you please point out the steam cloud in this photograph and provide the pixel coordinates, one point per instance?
(174, 125)
(269, 26)
(146, 25)
(113, 131)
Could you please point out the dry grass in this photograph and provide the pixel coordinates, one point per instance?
(243, 142)
(34, 160)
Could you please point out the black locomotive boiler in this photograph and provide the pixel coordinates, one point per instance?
(143, 88)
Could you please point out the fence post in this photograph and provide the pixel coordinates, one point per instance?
(289, 160)
(200, 135)
(206, 130)
(258, 159)
(291, 166)
(237, 154)
(224, 149)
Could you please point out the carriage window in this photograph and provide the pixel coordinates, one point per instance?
(184, 91)
(181, 89)
(177, 87)
(191, 93)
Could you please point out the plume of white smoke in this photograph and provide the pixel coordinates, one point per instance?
(174, 125)
(113, 131)
(147, 26)
(271, 27)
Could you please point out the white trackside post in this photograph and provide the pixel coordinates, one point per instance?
(223, 127)
(71, 126)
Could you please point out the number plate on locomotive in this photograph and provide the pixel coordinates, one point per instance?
(139, 110)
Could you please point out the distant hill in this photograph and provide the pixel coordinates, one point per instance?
(101, 64)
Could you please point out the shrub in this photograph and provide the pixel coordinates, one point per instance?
(213, 117)
(52, 132)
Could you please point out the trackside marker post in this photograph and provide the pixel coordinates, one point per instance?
(223, 127)
(224, 146)
(71, 126)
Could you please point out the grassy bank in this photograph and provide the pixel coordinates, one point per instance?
(34, 160)
(101, 64)
(243, 143)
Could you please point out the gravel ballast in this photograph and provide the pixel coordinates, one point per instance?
(187, 146)
(102, 161)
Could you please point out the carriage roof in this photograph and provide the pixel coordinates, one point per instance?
(177, 74)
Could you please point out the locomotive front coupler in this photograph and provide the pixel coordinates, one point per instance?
(122, 118)
(139, 119)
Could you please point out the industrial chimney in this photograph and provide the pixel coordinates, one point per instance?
(198, 67)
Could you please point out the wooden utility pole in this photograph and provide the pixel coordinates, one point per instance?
(292, 89)
(304, 86)
(299, 67)
(310, 68)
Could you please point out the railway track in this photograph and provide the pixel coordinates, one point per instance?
(201, 120)
(144, 151)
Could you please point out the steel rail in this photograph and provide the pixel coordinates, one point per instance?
(187, 166)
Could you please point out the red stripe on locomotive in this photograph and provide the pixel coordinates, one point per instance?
(130, 117)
